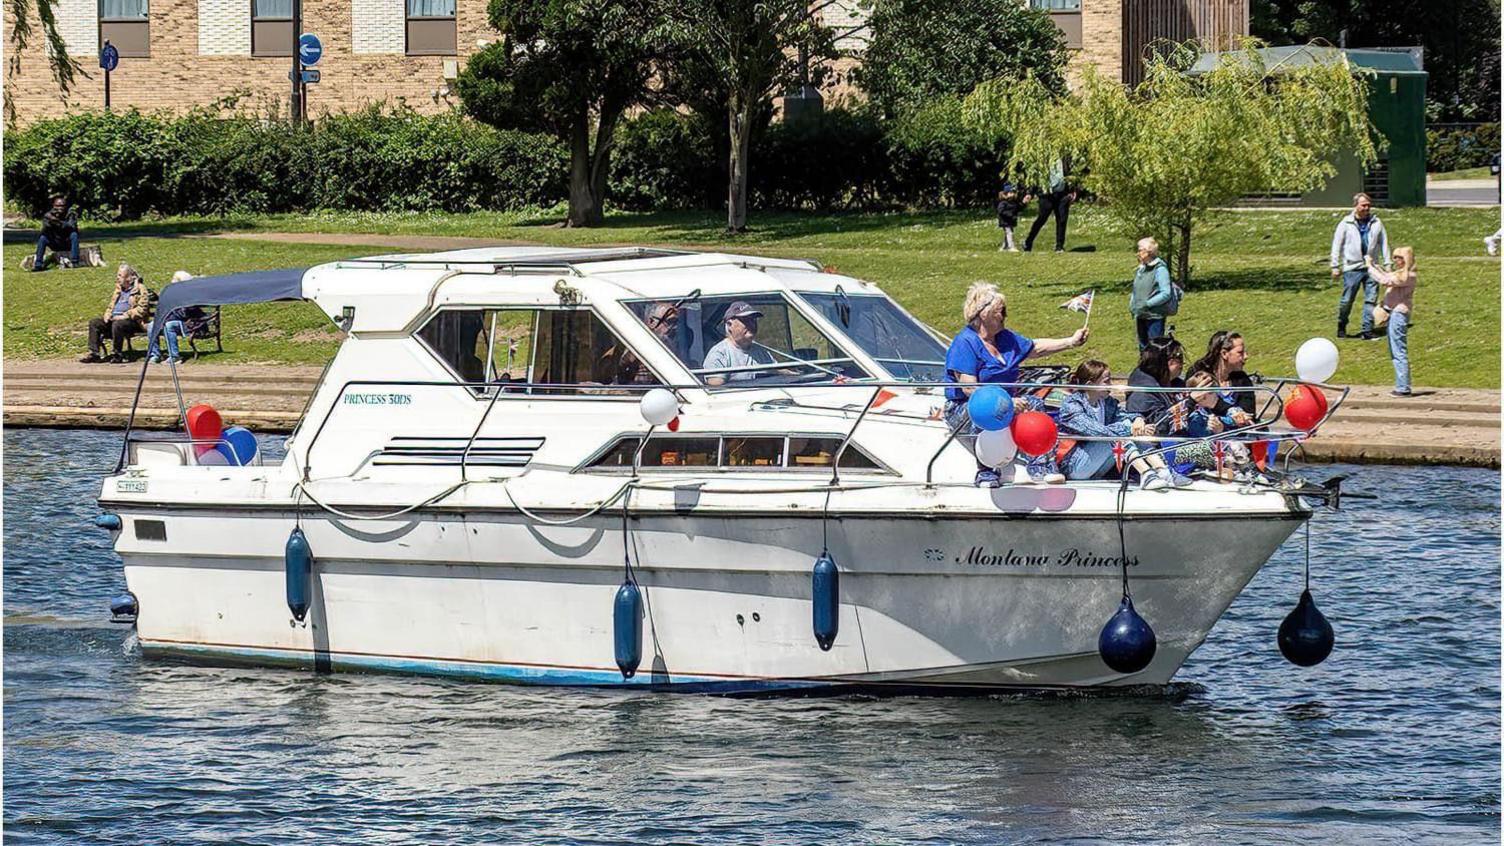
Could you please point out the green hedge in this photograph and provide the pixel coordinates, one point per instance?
(125, 165)
(1461, 147)
(129, 164)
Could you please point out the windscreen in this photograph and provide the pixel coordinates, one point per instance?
(876, 324)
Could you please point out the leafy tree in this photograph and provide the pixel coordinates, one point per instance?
(25, 16)
(742, 52)
(1460, 37)
(1167, 153)
(921, 49)
(571, 68)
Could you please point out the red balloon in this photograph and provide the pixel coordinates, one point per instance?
(1034, 433)
(204, 424)
(1305, 407)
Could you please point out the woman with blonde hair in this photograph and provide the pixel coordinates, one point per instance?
(984, 351)
(1399, 299)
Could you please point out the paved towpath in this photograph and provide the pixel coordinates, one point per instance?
(1436, 426)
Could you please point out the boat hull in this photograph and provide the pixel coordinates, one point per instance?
(951, 604)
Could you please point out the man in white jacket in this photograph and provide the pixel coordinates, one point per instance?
(1359, 235)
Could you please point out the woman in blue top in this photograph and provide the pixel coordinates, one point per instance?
(986, 351)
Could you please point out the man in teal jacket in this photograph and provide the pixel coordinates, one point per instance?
(1153, 296)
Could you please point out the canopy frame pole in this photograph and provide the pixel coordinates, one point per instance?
(125, 444)
(178, 388)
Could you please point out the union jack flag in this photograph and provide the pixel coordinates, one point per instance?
(1118, 451)
(1219, 449)
(1081, 303)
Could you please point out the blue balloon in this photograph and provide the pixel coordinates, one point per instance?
(241, 444)
(990, 408)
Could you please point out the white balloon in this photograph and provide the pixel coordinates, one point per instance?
(659, 406)
(213, 458)
(1316, 360)
(995, 447)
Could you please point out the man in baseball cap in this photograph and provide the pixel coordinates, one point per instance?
(739, 348)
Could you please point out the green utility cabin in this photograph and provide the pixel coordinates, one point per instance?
(1397, 109)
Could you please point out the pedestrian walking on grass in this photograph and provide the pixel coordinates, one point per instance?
(1152, 298)
(1055, 200)
(1399, 299)
(1009, 206)
(1358, 241)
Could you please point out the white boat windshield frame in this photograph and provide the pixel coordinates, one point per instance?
(832, 304)
(781, 366)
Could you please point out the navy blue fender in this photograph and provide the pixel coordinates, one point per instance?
(299, 560)
(825, 590)
(626, 619)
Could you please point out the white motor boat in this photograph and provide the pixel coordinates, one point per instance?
(474, 491)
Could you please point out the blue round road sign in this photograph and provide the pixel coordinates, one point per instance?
(309, 49)
(109, 57)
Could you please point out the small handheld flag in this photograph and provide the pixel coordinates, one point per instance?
(1081, 303)
(1219, 449)
(1118, 451)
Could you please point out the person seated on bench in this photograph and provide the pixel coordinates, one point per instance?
(60, 234)
(181, 323)
(128, 313)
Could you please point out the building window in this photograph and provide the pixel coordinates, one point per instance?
(431, 28)
(123, 23)
(1067, 16)
(271, 28)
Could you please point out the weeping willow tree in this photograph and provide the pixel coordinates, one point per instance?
(26, 16)
(1191, 138)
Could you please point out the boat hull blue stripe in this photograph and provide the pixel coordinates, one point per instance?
(511, 673)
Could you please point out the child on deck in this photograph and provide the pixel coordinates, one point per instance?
(1203, 413)
(1090, 411)
(1009, 207)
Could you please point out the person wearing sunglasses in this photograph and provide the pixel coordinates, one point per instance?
(739, 348)
(986, 351)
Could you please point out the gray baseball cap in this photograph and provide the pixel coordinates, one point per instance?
(740, 309)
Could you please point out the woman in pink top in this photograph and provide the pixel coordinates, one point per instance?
(1399, 294)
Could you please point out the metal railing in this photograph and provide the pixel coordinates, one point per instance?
(568, 391)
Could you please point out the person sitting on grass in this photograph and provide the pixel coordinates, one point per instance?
(1091, 411)
(127, 313)
(59, 234)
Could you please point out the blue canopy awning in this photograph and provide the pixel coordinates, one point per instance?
(255, 286)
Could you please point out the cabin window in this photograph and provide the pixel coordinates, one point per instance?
(533, 347)
(771, 343)
(821, 452)
(753, 452)
(734, 452)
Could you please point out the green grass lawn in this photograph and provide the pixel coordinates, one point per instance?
(1263, 274)
(1466, 173)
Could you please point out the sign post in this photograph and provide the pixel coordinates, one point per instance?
(308, 52)
(296, 104)
(109, 59)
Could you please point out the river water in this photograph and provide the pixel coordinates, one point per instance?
(1394, 739)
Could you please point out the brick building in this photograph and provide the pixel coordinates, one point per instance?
(176, 54)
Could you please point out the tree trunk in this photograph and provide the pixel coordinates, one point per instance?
(1183, 255)
(741, 141)
(585, 196)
